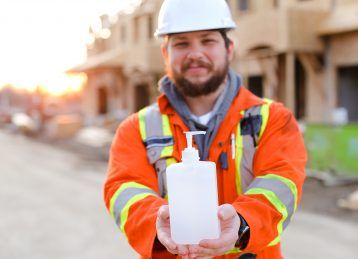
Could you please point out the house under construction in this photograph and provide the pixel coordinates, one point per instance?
(303, 53)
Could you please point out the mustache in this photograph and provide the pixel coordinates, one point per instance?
(199, 63)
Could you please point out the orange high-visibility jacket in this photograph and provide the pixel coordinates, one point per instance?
(133, 191)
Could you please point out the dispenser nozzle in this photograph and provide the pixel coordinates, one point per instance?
(189, 137)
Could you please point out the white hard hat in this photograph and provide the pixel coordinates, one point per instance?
(193, 15)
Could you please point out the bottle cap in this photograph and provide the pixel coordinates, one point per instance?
(191, 154)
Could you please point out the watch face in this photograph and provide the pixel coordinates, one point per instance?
(245, 229)
(244, 235)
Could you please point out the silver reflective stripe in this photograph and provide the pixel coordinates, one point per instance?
(153, 121)
(249, 149)
(153, 128)
(246, 162)
(154, 153)
(123, 199)
(160, 167)
(157, 127)
(282, 191)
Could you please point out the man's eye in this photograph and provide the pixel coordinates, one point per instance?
(208, 41)
(181, 44)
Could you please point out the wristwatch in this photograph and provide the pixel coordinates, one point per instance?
(244, 234)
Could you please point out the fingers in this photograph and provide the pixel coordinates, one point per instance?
(164, 235)
(163, 217)
(165, 239)
(163, 229)
(208, 253)
(183, 251)
(198, 251)
(227, 239)
(168, 243)
(199, 257)
(163, 212)
(230, 223)
(229, 219)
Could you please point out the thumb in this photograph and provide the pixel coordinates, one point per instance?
(226, 211)
(163, 212)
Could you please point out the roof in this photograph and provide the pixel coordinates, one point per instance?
(112, 58)
(342, 19)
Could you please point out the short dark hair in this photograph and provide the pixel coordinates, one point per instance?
(227, 40)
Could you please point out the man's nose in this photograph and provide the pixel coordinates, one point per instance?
(195, 52)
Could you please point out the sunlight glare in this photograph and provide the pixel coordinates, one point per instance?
(42, 38)
(64, 84)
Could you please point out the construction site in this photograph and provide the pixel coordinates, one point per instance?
(310, 65)
(302, 53)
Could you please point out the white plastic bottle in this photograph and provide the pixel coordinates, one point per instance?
(193, 197)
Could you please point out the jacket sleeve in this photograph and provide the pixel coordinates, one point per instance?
(279, 168)
(131, 189)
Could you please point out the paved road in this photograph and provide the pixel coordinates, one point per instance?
(51, 207)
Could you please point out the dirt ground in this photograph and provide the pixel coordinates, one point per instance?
(322, 199)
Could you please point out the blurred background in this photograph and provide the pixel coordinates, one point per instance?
(71, 71)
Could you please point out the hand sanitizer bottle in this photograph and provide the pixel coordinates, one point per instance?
(193, 197)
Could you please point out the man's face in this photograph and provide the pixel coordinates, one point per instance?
(197, 62)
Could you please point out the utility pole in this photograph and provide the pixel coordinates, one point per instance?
(333, 4)
(329, 77)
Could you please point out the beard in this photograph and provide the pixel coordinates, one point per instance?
(190, 89)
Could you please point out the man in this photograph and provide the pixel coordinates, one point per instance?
(255, 143)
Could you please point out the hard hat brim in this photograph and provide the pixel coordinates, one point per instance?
(159, 33)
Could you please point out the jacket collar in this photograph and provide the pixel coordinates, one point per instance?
(243, 101)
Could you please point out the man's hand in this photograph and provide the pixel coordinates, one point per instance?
(230, 224)
(164, 236)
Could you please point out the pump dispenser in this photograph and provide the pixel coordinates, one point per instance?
(190, 154)
(192, 197)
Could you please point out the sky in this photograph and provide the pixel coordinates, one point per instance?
(42, 38)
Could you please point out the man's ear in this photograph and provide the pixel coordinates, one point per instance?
(164, 49)
(231, 50)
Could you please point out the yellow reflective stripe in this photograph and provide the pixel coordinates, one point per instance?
(141, 115)
(170, 161)
(124, 212)
(167, 151)
(290, 184)
(265, 108)
(275, 241)
(234, 251)
(275, 201)
(120, 190)
(268, 101)
(166, 126)
(238, 156)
